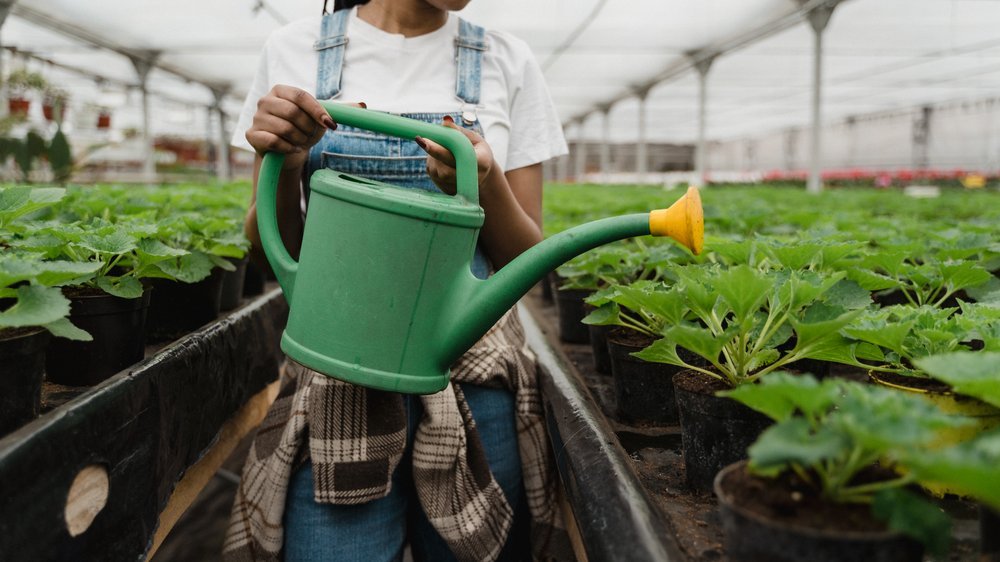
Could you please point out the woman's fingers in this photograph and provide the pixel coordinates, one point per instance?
(306, 103)
(436, 151)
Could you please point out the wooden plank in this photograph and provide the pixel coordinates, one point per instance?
(199, 474)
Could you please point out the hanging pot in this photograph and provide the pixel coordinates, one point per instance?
(18, 106)
(118, 327)
(762, 520)
(22, 368)
(715, 431)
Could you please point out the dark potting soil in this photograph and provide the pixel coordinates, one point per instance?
(698, 383)
(787, 499)
(631, 338)
(11, 333)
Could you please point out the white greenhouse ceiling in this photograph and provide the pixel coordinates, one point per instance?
(879, 55)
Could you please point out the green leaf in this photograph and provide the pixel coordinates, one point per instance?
(907, 513)
(971, 468)
(792, 441)
(35, 306)
(123, 287)
(606, 315)
(975, 374)
(848, 295)
(744, 288)
(957, 276)
(188, 269)
(812, 335)
(15, 269)
(699, 341)
(661, 351)
(779, 395)
(63, 328)
(114, 242)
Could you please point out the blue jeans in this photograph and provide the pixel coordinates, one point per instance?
(379, 530)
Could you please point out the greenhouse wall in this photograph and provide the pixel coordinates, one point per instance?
(949, 136)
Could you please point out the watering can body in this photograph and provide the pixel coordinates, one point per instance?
(383, 294)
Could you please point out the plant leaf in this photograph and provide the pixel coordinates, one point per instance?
(63, 328)
(35, 306)
(792, 441)
(975, 374)
(907, 513)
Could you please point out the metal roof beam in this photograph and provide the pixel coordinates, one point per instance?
(697, 57)
(137, 56)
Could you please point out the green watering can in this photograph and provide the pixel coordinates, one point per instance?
(383, 295)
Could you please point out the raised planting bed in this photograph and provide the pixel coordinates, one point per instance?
(105, 470)
(625, 482)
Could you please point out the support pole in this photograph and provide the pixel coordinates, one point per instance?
(921, 138)
(605, 144)
(818, 19)
(142, 67)
(580, 160)
(5, 7)
(641, 150)
(702, 63)
(223, 170)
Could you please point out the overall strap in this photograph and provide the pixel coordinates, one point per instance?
(469, 47)
(331, 45)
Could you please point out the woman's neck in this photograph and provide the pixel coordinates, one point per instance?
(408, 18)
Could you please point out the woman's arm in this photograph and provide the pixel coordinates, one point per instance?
(512, 201)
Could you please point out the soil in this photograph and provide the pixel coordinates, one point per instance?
(12, 333)
(698, 383)
(630, 338)
(82, 291)
(789, 500)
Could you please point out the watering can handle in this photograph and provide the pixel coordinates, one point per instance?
(467, 169)
(467, 172)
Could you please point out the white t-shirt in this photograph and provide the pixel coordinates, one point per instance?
(393, 73)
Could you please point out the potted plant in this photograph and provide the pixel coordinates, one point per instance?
(737, 320)
(639, 313)
(20, 82)
(104, 118)
(54, 104)
(111, 303)
(830, 480)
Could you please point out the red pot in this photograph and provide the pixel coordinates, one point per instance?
(18, 106)
(104, 121)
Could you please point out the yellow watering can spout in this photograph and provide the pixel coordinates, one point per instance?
(683, 221)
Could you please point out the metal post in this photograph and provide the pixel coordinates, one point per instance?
(818, 19)
(641, 150)
(562, 168)
(580, 160)
(605, 144)
(702, 64)
(5, 7)
(921, 138)
(142, 67)
(223, 169)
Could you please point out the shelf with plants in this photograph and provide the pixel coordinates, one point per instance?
(851, 285)
(137, 414)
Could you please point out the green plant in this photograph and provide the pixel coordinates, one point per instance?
(649, 307)
(923, 278)
(32, 285)
(737, 319)
(21, 80)
(831, 432)
(971, 373)
(20, 200)
(904, 334)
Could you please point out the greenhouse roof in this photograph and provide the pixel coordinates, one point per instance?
(880, 55)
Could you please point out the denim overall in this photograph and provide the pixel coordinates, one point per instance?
(380, 529)
(381, 157)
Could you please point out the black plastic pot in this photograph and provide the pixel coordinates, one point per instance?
(22, 368)
(989, 533)
(178, 308)
(255, 280)
(232, 284)
(752, 537)
(118, 327)
(546, 284)
(599, 346)
(569, 306)
(644, 391)
(715, 431)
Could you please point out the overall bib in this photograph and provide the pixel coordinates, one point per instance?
(378, 530)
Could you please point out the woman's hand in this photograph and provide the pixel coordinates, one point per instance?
(441, 163)
(288, 121)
